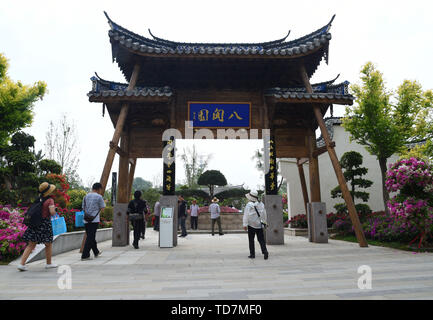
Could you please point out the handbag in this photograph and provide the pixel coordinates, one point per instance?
(59, 225)
(133, 216)
(79, 219)
(264, 224)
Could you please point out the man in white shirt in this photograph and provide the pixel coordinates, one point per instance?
(254, 217)
(194, 214)
(215, 211)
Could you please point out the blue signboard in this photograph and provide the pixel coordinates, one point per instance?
(220, 114)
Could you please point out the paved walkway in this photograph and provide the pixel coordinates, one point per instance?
(206, 267)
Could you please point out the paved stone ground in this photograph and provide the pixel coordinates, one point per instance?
(213, 268)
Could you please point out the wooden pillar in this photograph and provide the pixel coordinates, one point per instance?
(314, 170)
(336, 164)
(122, 189)
(117, 132)
(303, 184)
(133, 163)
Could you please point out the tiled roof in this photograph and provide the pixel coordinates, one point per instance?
(104, 88)
(140, 44)
(324, 90)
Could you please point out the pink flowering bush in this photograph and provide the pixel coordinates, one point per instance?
(11, 231)
(412, 208)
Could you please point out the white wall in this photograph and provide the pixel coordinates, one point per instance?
(328, 179)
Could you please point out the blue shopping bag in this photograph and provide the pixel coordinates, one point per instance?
(58, 224)
(79, 219)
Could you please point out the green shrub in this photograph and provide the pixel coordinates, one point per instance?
(107, 214)
(76, 198)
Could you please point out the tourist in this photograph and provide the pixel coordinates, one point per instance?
(253, 220)
(182, 215)
(93, 204)
(157, 213)
(138, 208)
(215, 212)
(144, 221)
(194, 214)
(44, 232)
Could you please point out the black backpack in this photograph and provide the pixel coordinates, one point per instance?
(33, 216)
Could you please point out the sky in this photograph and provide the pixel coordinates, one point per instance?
(64, 42)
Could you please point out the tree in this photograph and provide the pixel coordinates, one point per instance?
(16, 103)
(258, 158)
(18, 170)
(141, 184)
(194, 165)
(61, 145)
(353, 173)
(212, 178)
(383, 126)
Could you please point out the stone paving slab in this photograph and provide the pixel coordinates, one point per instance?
(216, 267)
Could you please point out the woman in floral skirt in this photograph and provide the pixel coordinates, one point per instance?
(44, 232)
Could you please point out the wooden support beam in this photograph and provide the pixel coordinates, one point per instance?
(117, 132)
(301, 161)
(122, 189)
(322, 150)
(132, 165)
(336, 164)
(314, 170)
(118, 150)
(303, 185)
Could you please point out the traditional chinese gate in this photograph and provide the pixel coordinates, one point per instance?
(248, 87)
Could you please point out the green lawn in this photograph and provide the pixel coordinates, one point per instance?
(394, 245)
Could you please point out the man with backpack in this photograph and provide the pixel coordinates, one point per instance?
(93, 204)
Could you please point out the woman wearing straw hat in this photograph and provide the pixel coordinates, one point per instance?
(253, 220)
(215, 212)
(44, 232)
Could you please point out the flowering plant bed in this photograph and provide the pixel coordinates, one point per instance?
(223, 210)
(11, 231)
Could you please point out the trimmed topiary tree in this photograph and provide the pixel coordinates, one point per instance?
(212, 178)
(353, 172)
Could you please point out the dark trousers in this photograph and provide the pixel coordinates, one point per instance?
(137, 225)
(90, 243)
(156, 224)
(183, 225)
(194, 223)
(260, 237)
(143, 226)
(217, 220)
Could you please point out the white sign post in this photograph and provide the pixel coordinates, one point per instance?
(166, 228)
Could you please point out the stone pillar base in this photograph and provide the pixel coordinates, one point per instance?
(317, 224)
(274, 211)
(171, 201)
(120, 235)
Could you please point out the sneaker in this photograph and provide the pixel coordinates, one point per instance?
(84, 259)
(51, 266)
(21, 267)
(98, 255)
(251, 257)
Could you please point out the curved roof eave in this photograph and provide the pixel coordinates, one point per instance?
(278, 48)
